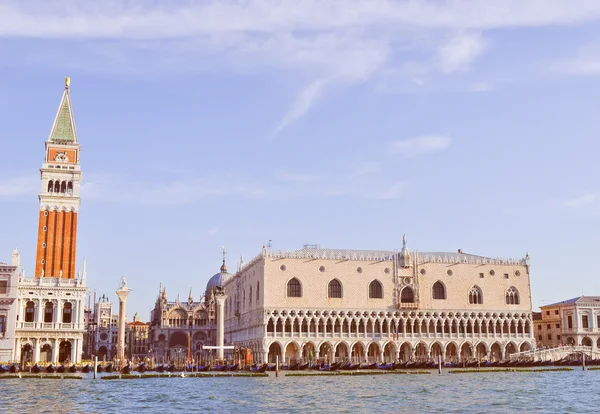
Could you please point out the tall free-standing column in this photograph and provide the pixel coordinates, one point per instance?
(220, 299)
(122, 293)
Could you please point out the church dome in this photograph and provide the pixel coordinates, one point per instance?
(217, 280)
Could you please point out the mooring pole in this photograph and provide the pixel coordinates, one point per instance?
(95, 366)
(277, 365)
(583, 361)
(439, 364)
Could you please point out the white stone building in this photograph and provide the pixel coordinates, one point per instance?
(364, 305)
(9, 276)
(571, 322)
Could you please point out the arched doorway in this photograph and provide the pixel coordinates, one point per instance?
(465, 352)
(46, 353)
(510, 349)
(586, 341)
(480, 352)
(26, 354)
(308, 352)
(358, 353)
(373, 353)
(421, 352)
(102, 353)
(341, 352)
(291, 353)
(389, 352)
(570, 341)
(436, 351)
(325, 352)
(495, 352)
(405, 352)
(451, 352)
(525, 346)
(64, 351)
(274, 352)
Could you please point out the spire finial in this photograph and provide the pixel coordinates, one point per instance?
(224, 266)
(67, 82)
(404, 240)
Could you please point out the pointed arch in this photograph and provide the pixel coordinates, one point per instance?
(407, 295)
(375, 290)
(334, 289)
(294, 288)
(438, 290)
(475, 295)
(512, 296)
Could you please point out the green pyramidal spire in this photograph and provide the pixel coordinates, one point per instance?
(63, 130)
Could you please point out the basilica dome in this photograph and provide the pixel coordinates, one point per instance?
(217, 280)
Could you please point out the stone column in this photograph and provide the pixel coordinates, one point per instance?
(36, 350)
(122, 293)
(220, 299)
(54, 351)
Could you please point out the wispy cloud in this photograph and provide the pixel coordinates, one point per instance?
(213, 231)
(585, 200)
(585, 62)
(18, 186)
(424, 144)
(323, 44)
(460, 51)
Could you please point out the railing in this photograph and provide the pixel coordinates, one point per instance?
(45, 325)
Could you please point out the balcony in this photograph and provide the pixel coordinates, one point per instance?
(50, 326)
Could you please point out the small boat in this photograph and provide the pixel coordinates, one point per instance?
(85, 369)
(233, 367)
(99, 368)
(220, 368)
(160, 368)
(61, 369)
(126, 369)
(36, 369)
(397, 365)
(171, 368)
(259, 369)
(303, 367)
(50, 369)
(13, 369)
(386, 367)
(203, 368)
(410, 365)
(73, 369)
(141, 368)
(332, 367)
(3, 369)
(109, 368)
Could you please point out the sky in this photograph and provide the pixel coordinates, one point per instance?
(343, 123)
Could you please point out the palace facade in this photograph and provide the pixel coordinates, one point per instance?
(571, 322)
(361, 305)
(9, 276)
(50, 305)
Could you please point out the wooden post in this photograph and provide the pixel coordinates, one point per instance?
(276, 365)
(583, 360)
(439, 364)
(95, 366)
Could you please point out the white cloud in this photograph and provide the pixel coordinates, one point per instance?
(19, 186)
(585, 62)
(585, 200)
(459, 52)
(421, 145)
(301, 104)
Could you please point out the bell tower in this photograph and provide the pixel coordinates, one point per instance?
(59, 196)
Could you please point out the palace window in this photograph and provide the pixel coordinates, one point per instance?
(584, 321)
(48, 312)
(439, 291)
(335, 289)
(512, 296)
(3, 286)
(67, 312)
(250, 298)
(29, 311)
(294, 289)
(257, 291)
(375, 290)
(570, 321)
(2, 325)
(475, 296)
(407, 295)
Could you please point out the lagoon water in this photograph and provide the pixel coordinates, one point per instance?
(547, 392)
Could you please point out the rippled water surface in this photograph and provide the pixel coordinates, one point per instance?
(575, 392)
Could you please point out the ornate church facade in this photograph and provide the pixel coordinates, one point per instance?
(360, 305)
(50, 305)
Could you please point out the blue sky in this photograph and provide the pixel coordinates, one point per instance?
(348, 123)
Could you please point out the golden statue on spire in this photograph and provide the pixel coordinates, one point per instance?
(67, 82)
